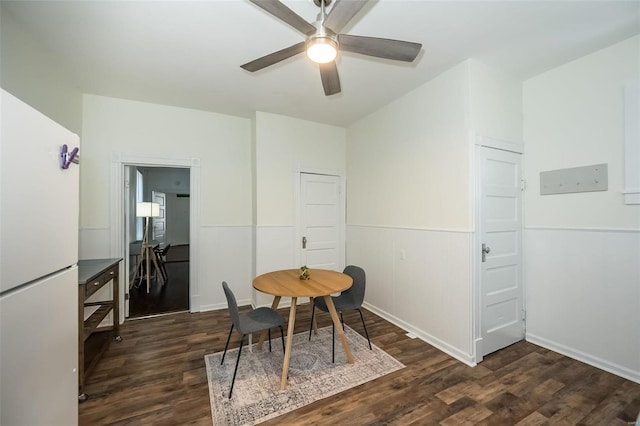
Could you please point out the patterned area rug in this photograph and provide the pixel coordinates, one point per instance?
(256, 394)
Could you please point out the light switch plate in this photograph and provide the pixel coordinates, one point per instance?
(576, 179)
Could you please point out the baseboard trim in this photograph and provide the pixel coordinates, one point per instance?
(602, 364)
(426, 337)
(217, 306)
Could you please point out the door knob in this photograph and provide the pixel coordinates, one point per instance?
(485, 251)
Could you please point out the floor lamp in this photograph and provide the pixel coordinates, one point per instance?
(147, 255)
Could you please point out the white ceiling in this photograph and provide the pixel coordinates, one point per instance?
(188, 53)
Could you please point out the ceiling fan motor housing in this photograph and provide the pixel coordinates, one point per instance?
(319, 2)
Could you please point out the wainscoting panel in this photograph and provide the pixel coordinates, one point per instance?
(274, 251)
(224, 255)
(419, 279)
(583, 295)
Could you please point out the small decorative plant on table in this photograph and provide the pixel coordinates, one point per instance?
(304, 272)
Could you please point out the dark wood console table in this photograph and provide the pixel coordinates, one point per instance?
(93, 275)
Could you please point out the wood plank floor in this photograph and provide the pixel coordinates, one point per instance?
(170, 296)
(157, 376)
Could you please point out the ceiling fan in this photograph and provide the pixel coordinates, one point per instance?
(323, 40)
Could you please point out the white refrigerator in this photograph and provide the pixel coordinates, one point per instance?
(39, 312)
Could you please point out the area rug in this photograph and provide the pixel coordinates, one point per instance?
(256, 394)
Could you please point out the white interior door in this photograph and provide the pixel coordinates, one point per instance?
(502, 302)
(159, 227)
(321, 227)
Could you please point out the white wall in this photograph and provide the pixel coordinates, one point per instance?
(495, 105)
(409, 209)
(582, 251)
(412, 155)
(29, 72)
(283, 145)
(128, 129)
(171, 181)
(410, 220)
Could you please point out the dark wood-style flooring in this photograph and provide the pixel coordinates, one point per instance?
(172, 296)
(157, 376)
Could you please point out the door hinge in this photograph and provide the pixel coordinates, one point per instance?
(126, 296)
(523, 184)
(524, 315)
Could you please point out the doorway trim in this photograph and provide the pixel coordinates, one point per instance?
(118, 213)
(479, 141)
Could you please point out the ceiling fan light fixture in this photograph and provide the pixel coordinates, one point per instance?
(322, 49)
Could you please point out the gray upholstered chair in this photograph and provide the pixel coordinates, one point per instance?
(249, 322)
(350, 299)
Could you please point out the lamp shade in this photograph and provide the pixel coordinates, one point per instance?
(147, 209)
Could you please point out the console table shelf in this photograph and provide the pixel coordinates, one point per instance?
(94, 274)
(91, 323)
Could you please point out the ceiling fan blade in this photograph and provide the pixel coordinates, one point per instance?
(330, 78)
(397, 50)
(342, 12)
(274, 58)
(282, 12)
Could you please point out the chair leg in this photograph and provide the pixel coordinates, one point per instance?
(365, 329)
(269, 332)
(227, 345)
(313, 311)
(282, 336)
(233, 381)
(342, 320)
(163, 269)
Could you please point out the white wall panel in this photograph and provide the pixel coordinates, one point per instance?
(33, 74)
(583, 295)
(224, 255)
(281, 144)
(94, 243)
(495, 103)
(221, 143)
(408, 163)
(574, 116)
(582, 284)
(274, 251)
(420, 280)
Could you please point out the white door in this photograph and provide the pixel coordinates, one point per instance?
(159, 227)
(321, 227)
(502, 304)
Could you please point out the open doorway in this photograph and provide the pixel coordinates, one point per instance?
(168, 236)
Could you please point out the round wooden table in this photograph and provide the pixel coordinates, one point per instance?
(287, 283)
